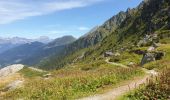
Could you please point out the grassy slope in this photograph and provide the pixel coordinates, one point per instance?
(91, 39)
(139, 23)
(29, 73)
(75, 81)
(154, 89)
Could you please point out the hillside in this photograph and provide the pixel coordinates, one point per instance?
(137, 25)
(133, 25)
(60, 41)
(95, 36)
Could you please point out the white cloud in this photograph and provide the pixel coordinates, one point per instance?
(12, 10)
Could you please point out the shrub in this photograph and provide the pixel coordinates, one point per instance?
(157, 88)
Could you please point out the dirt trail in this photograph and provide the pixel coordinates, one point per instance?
(36, 69)
(111, 95)
(116, 92)
(116, 64)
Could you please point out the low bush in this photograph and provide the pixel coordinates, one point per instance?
(157, 88)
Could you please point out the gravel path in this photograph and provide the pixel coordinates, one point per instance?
(111, 95)
(116, 92)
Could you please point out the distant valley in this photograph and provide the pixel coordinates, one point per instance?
(24, 51)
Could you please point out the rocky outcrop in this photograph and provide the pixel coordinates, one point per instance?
(9, 70)
(151, 56)
(148, 57)
(148, 40)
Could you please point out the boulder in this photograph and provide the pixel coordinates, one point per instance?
(151, 56)
(147, 57)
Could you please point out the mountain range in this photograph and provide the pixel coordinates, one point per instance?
(19, 40)
(9, 43)
(31, 52)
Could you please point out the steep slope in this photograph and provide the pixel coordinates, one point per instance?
(60, 41)
(151, 16)
(95, 36)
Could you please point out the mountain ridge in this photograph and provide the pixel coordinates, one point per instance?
(139, 21)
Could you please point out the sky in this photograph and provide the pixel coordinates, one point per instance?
(56, 18)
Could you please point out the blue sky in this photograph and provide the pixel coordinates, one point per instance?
(56, 18)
